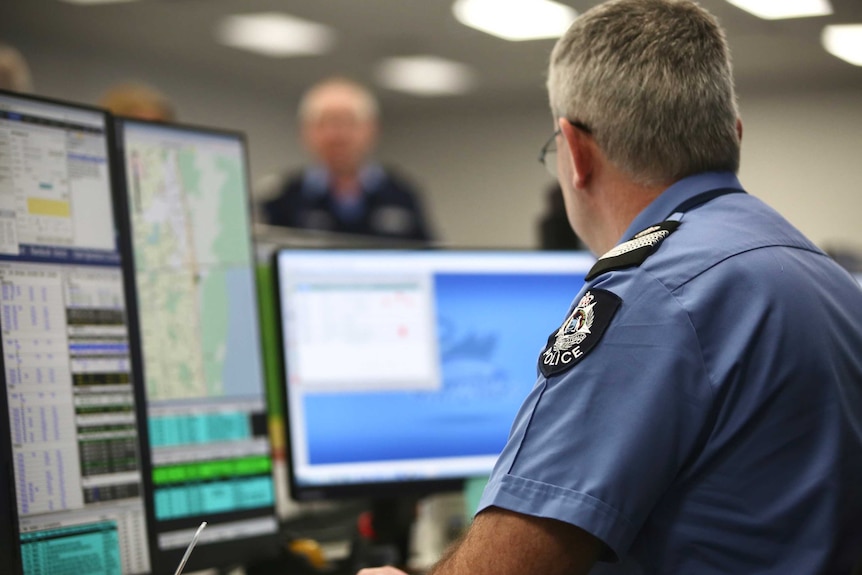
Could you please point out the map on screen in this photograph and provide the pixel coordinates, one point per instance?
(193, 255)
(187, 198)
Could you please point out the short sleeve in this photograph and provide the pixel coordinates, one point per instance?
(598, 445)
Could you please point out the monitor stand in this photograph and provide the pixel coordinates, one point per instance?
(384, 533)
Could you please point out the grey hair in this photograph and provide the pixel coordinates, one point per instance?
(653, 80)
(367, 106)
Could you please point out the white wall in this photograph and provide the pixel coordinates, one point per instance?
(802, 153)
(479, 170)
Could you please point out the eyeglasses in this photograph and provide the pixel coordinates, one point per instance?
(548, 153)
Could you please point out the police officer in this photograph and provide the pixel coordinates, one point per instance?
(699, 409)
(344, 191)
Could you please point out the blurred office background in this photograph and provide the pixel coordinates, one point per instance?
(471, 147)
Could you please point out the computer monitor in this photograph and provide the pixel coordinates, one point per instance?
(71, 493)
(187, 203)
(404, 370)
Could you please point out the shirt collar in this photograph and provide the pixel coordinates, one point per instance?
(315, 180)
(669, 200)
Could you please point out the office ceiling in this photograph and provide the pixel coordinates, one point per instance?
(769, 56)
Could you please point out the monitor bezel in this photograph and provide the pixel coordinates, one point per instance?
(222, 554)
(374, 489)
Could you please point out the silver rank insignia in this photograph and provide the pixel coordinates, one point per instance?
(580, 332)
(635, 251)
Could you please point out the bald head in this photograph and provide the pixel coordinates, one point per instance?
(339, 124)
(138, 100)
(14, 72)
(338, 93)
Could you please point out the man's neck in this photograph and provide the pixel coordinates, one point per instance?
(619, 204)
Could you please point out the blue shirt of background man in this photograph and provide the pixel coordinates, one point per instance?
(385, 205)
(716, 427)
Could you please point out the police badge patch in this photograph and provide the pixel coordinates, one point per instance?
(580, 332)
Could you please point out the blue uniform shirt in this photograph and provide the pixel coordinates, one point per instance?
(386, 205)
(715, 425)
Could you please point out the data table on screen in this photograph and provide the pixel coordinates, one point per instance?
(69, 389)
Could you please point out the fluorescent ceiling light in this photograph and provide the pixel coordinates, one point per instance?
(515, 20)
(90, 2)
(844, 41)
(275, 34)
(425, 76)
(779, 9)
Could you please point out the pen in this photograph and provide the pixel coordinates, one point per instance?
(189, 549)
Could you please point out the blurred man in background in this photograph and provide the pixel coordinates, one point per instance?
(138, 100)
(14, 72)
(345, 191)
(554, 230)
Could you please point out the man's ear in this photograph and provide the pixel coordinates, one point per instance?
(739, 128)
(579, 151)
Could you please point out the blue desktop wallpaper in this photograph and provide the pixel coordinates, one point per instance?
(491, 328)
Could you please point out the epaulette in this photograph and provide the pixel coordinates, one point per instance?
(635, 251)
